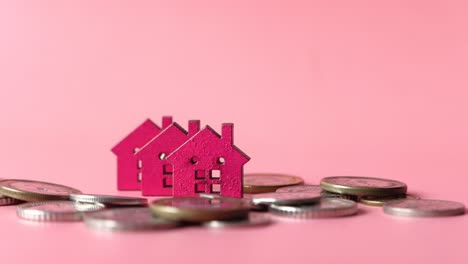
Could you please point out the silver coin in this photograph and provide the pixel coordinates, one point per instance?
(326, 207)
(253, 220)
(423, 207)
(109, 200)
(247, 200)
(54, 211)
(285, 198)
(127, 219)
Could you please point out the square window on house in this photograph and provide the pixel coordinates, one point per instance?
(167, 182)
(140, 176)
(199, 187)
(215, 174)
(215, 188)
(167, 169)
(200, 174)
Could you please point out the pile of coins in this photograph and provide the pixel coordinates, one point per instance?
(265, 195)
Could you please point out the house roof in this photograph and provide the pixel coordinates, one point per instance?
(168, 129)
(148, 124)
(208, 130)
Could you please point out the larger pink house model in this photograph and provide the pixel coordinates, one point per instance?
(128, 172)
(208, 163)
(156, 170)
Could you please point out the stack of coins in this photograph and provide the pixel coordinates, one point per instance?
(281, 195)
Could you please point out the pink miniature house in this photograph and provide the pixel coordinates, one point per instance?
(128, 175)
(208, 163)
(156, 170)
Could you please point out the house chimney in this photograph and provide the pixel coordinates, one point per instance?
(227, 133)
(166, 121)
(193, 127)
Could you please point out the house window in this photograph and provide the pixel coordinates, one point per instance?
(167, 182)
(194, 160)
(215, 188)
(221, 160)
(200, 174)
(215, 174)
(140, 176)
(167, 169)
(199, 187)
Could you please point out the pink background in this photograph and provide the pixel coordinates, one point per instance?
(315, 88)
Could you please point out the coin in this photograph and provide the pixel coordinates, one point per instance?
(423, 207)
(253, 220)
(264, 182)
(195, 209)
(309, 188)
(285, 198)
(356, 185)
(4, 200)
(379, 201)
(326, 194)
(127, 219)
(327, 207)
(247, 200)
(301, 189)
(109, 200)
(54, 211)
(33, 191)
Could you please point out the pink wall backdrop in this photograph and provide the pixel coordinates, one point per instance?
(315, 88)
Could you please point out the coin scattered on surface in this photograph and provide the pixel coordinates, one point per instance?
(33, 191)
(253, 220)
(109, 200)
(56, 211)
(327, 207)
(195, 209)
(264, 182)
(423, 207)
(309, 188)
(4, 200)
(285, 198)
(379, 201)
(127, 219)
(247, 200)
(356, 185)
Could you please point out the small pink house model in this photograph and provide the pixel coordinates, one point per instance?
(128, 175)
(156, 170)
(208, 163)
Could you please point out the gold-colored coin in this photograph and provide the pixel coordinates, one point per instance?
(35, 191)
(379, 201)
(197, 209)
(361, 186)
(268, 182)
